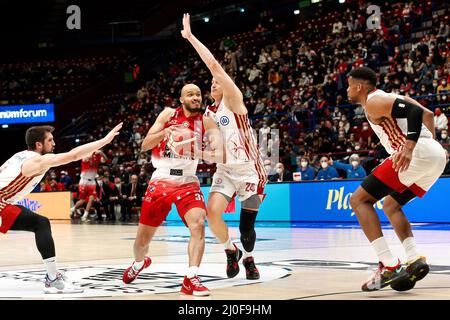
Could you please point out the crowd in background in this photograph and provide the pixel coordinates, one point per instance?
(292, 85)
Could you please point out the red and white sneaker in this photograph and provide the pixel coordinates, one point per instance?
(193, 286)
(130, 274)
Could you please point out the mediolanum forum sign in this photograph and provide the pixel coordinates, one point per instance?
(28, 113)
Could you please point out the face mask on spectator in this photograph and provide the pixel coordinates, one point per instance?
(355, 163)
(444, 136)
(324, 165)
(365, 128)
(386, 80)
(279, 170)
(357, 147)
(304, 164)
(267, 168)
(444, 83)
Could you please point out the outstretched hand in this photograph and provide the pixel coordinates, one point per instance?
(114, 132)
(186, 32)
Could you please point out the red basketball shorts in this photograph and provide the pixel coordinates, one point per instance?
(87, 190)
(160, 196)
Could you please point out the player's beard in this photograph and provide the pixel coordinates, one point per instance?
(193, 110)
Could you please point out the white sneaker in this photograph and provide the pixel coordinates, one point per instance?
(85, 216)
(60, 285)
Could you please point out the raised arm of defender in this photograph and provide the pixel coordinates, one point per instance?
(39, 164)
(232, 96)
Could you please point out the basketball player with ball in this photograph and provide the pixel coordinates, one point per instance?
(243, 173)
(171, 138)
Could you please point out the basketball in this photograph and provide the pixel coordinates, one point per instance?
(181, 141)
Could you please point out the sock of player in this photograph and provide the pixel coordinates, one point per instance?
(409, 244)
(383, 252)
(247, 254)
(138, 265)
(228, 245)
(192, 272)
(50, 265)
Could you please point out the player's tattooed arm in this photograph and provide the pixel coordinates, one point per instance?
(40, 164)
(157, 132)
(233, 97)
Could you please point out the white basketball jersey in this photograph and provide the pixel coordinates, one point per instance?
(392, 132)
(14, 186)
(241, 148)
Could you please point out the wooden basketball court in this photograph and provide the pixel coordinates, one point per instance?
(306, 261)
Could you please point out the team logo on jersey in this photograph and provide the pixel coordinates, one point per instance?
(218, 180)
(186, 124)
(106, 280)
(224, 120)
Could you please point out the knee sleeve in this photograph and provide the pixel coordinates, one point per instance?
(40, 225)
(44, 239)
(247, 229)
(252, 202)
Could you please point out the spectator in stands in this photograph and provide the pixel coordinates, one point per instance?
(105, 192)
(327, 172)
(260, 29)
(366, 136)
(354, 170)
(117, 198)
(55, 186)
(444, 86)
(445, 139)
(447, 166)
(134, 192)
(66, 180)
(270, 170)
(444, 31)
(254, 73)
(440, 121)
(307, 172)
(281, 174)
(337, 27)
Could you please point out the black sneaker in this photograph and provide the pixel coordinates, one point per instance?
(233, 257)
(384, 276)
(251, 271)
(417, 270)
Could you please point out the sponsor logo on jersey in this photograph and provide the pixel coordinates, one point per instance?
(218, 180)
(224, 120)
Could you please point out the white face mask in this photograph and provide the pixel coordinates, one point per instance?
(267, 168)
(304, 164)
(355, 163)
(324, 165)
(444, 136)
(357, 147)
(279, 170)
